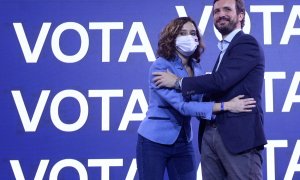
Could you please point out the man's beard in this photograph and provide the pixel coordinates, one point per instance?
(226, 29)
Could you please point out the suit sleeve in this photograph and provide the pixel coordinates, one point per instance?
(238, 61)
(175, 99)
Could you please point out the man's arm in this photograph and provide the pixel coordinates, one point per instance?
(196, 108)
(174, 98)
(166, 79)
(241, 59)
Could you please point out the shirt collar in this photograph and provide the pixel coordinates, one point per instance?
(223, 44)
(230, 36)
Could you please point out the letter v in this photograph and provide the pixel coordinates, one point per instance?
(15, 164)
(30, 125)
(31, 56)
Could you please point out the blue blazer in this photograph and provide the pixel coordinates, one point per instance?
(241, 72)
(168, 111)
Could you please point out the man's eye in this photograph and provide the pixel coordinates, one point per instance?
(227, 9)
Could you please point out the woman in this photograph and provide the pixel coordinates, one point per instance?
(165, 135)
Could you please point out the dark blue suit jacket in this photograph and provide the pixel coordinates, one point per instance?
(241, 72)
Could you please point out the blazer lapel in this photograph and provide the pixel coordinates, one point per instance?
(179, 69)
(231, 44)
(233, 41)
(217, 62)
(197, 68)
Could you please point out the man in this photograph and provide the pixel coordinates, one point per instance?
(231, 146)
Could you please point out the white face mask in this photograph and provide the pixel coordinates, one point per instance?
(186, 45)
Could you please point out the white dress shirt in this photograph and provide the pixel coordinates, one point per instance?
(223, 44)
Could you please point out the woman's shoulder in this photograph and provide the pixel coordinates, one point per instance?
(161, 62)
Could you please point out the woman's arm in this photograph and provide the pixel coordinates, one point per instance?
(174, 98)
(236, 105)
(204, 110)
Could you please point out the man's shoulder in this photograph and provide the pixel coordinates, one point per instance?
(245, 37)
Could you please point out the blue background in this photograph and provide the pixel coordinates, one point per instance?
(90, 73)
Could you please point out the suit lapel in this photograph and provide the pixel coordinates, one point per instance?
(217, 62)
(234, 40)
(232, 43)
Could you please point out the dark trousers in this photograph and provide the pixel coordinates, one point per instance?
(153, 158)
(218, 164)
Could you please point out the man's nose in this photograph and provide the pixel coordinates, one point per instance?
(222, 13)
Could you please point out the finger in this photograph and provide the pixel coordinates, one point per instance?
(249, 99)
(250, 102)
(240, 96)
(158, 84)
(158, 73)
(169, 71)
(245, 102)
(247, 110)
(155, 79)
(250, 106)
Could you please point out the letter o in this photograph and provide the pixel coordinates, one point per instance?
(68, 163)
(83, 110)
(56, 39)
